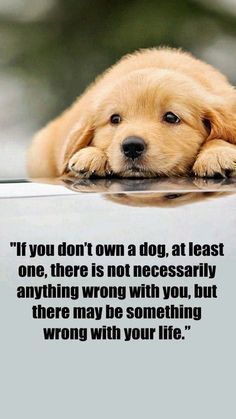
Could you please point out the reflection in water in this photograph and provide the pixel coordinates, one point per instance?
(158, 192)
(160, 199)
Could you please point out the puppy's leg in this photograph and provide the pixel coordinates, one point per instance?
(89, 161)
(216, 158)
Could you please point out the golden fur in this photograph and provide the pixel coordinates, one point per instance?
(141, 88)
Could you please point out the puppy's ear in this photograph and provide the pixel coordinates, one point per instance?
(220, 121)
(79, 137)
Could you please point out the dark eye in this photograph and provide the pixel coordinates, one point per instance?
(173, 195)
(115, 119)
(171, 118)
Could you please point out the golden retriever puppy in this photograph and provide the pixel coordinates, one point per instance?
(157, 112)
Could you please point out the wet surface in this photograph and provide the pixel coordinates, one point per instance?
(150, 185)
(162, 192)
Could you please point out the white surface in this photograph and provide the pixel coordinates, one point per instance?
(190, 379)
(22, 189)
(18, 190)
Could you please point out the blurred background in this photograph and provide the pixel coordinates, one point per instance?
(50, 50)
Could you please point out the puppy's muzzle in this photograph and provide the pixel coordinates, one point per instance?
(133, 147)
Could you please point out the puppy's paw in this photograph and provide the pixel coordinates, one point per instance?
(216, 162)
(89, 161)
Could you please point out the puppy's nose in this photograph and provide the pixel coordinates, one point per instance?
(133, 147)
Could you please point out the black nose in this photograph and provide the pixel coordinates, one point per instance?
(133, 147)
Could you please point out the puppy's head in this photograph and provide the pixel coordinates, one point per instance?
(149, 123)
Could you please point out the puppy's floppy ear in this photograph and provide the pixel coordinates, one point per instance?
(220, 120)
(79, 137)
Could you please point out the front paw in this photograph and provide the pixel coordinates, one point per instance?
(218, 162)
(89, 162)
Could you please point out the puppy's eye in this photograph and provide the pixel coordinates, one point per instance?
(115, 119)
(173, 195)
(171, 118)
